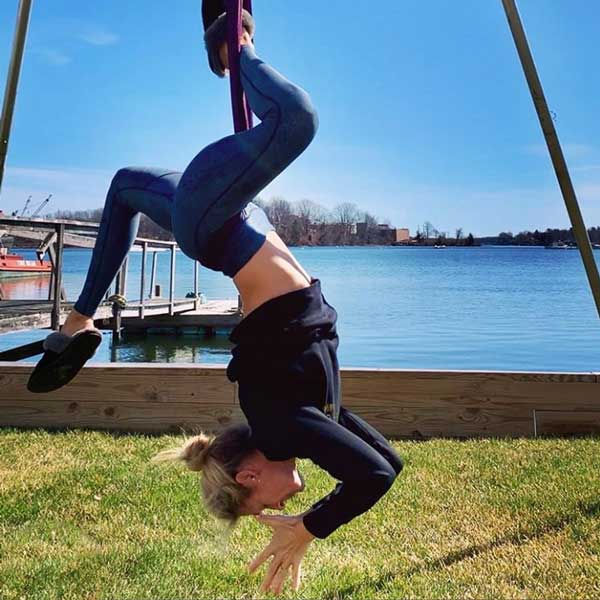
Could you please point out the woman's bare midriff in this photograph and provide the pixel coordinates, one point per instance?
(271, 272)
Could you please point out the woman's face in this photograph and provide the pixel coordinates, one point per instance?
(272, 484)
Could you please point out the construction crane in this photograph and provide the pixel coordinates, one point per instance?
(26, 206)
(36, 212)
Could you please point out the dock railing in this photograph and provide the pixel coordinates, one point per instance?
(55, 234)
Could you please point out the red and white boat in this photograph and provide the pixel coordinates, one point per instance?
(15, 265)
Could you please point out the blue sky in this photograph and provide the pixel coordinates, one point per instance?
(424, 110)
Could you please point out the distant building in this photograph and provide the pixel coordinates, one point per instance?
(383, 233)
(402, 235)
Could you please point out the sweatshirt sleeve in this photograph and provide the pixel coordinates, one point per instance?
(364, 475)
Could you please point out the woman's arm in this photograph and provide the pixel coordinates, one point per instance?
(364, 475)
(364, 463)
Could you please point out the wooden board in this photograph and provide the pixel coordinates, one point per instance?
(144, 398)
(563, 422)
(423, 404)
(400, 403)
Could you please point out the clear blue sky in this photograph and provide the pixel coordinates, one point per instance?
(424, 110)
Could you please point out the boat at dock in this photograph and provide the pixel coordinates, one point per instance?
(15, 265)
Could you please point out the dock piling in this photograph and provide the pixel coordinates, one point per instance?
(143, 279)
(57, 280)
(172, 282)
(153, 289)
(124, 272)
(196, 294)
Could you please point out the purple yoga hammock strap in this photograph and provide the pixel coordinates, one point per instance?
(242, 116)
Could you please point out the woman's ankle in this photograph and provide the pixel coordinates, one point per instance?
(76, 322)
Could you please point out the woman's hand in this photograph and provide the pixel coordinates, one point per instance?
(288, 546)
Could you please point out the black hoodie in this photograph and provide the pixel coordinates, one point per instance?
(285, 363)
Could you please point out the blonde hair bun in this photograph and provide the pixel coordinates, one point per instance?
(195, 450)
(193, 453)
(219, 458)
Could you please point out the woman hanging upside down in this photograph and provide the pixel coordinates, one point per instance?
(284, 358)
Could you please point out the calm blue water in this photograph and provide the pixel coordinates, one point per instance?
(458, 308)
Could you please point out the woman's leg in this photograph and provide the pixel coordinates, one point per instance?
(224, 177)
(133, 191)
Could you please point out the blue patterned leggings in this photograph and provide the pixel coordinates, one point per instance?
(208, 207)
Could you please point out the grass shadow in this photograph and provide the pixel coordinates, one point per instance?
(581, 509)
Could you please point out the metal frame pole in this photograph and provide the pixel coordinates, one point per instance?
(554, 147)
(12, 80)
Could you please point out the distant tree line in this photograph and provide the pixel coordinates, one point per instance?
(429, 235)
(301, 223)
(540, 238)
(307, 223)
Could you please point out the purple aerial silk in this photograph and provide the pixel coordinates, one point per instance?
(242, 116)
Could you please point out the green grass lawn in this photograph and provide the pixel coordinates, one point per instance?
(86, 515)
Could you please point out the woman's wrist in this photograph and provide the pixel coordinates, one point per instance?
(305, 533)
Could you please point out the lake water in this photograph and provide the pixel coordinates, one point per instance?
(458, 308)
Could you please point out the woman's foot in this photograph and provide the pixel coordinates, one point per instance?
(245, 40)
(65, 353)
(64, 356)
(76, 322)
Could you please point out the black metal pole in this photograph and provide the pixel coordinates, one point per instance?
(12, 80)
(556, 154)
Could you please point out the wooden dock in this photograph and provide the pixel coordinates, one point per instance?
(156, 398)
(208, 317)
(148, 311)
(216, 314)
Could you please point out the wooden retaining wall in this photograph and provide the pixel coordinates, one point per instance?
(401, 404)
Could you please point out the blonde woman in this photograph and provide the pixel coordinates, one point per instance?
(284, 358)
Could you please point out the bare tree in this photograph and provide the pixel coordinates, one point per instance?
(459, 233)
(368, 232)
(310, 212)
(429, 230)
(346, 213)
(279, 211)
